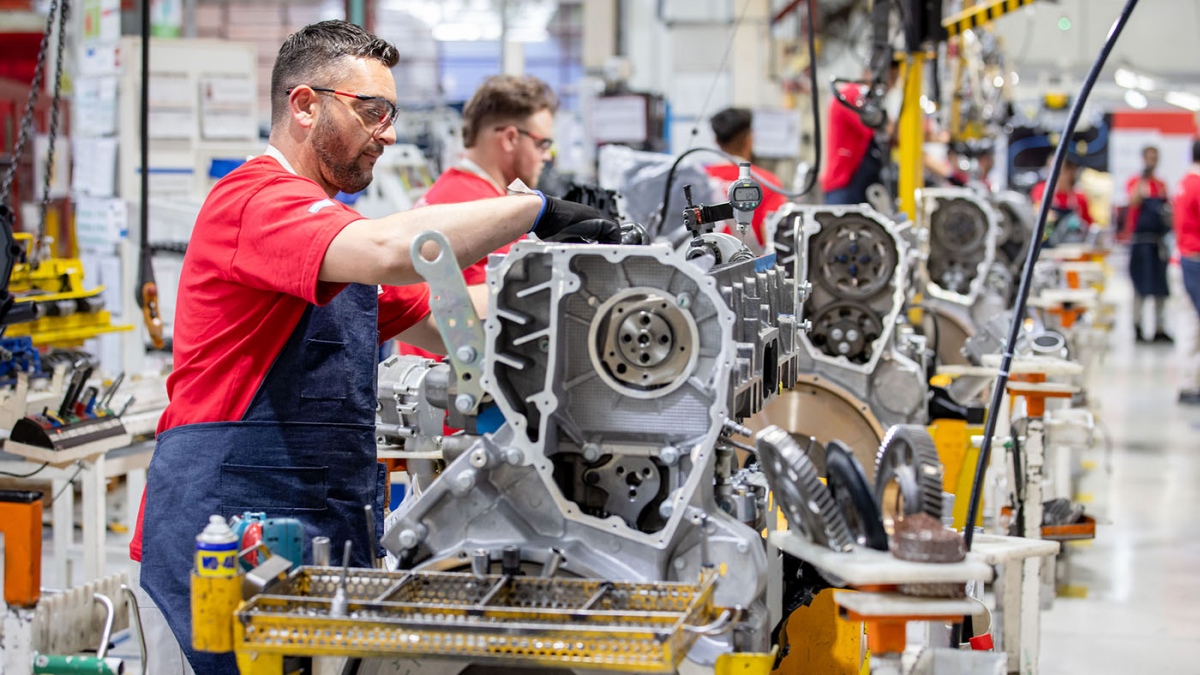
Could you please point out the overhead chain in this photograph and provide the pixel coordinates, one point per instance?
(63, 12)
(59, 11)
(30, 104)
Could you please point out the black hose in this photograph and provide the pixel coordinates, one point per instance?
(811, 180)
(1039, 232)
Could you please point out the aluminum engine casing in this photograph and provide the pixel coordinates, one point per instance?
(617, 477)
(960, 246)
(880, 368)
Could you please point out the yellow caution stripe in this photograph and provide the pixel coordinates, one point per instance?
(981, 14)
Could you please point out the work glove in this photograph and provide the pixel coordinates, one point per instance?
(560, 220)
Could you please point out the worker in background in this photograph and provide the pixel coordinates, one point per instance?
(1147, 221)
(283, 299)
(1186, 214)
(508, 130)
(1069, 215)
(958, 176)
(985, 163)
(734, 132)
(855, 159)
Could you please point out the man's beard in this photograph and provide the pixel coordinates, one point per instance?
(346, 174)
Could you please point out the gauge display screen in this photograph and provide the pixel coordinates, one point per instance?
(747, 194)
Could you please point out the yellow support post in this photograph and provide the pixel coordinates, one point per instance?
(911, 136)
(820, 641)
(745, 663)
(952, 438)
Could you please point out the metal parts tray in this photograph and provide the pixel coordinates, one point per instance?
(589, 623)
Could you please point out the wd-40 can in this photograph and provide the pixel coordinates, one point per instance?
(216, 587)
(216, 550)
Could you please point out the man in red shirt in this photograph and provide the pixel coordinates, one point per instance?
(733, 129)
(1187, 237)
(1069, 214)
(283, 299)
(508, 128)
(1145, 220)
(854, 160)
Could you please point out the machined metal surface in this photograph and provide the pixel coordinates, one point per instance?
(643, 344)
(456, 318)
(962, 230)
(620, 373)
(851, 490)
(908, 475)
(799, 490)
(818, 408)
(855, 259)
(852, 267)
(410, 389)
(856, 262)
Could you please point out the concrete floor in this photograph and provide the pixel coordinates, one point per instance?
(1139, 581)
(1141, 613)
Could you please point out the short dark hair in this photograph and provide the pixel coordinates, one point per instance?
(730, 124)
(505, 98)
(313, 55)
(1148, 148)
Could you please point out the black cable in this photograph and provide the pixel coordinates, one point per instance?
(1018, 479)
(25, 475)
(70, 482)
(809, 182)
(1060, 154)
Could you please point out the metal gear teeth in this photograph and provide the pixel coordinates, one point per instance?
(796, 484)
(851, 490)
(911, 445)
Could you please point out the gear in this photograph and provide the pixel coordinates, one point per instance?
(908, 475)
(855, 259)
(805, 500)
(847, 329)
(958, 226)
(852, 493)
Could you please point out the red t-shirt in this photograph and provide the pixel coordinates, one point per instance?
(455, 186)
(1186, 215)
(727, 173)
(250, 271)
(1076, 201)
(1157, 189)
(848, 141)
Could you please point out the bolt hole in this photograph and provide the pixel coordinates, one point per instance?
(643, 340)
(664, 339)
(431, 247)
(621, 368)
(645, 358)
(645, 320)
(620, 470)
(627, 338)
(466, 377)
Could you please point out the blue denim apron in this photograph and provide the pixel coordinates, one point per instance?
(304, 449)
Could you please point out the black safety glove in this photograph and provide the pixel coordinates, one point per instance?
(561, 220)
